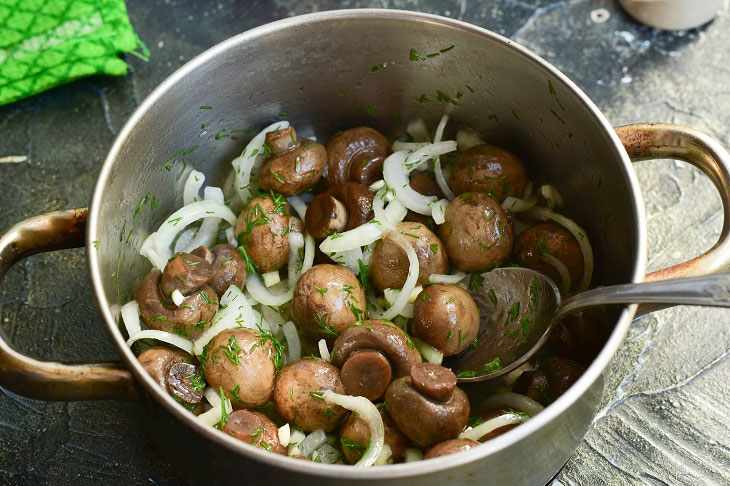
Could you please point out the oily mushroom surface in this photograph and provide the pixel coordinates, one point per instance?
(343, 207)
(240, 362)
(561, 374)
(356, 155)
(294, 164)
(490, 169)
(450, 446)
(263, 228)
(189, 320)
(424, 420)
(389, 266)
(477, 233)
(433, 381)
(298, 394)
(327, 299)
(549, 239)
(355, 437)
(173, 370)
(185, 272)
(227, 265)
(254, 428)
(533, 384)
(366, 373)
(446, 317)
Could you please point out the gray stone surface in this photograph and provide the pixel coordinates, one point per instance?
(663, 418)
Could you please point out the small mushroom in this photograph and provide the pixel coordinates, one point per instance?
(561, 374)
(549, 239)
(370, 355)
(240, 362)
(426, 185)
(294, 165)
(533, 384)
(424, 418)
(489, 169)
(185, 272)
(327, 299)
(389, 266)
(450, 446)
(356, 155)
(343, 207)
(189, 320)
(446, 317)
(174, 372)
(581, 336)
(298, 394)
(228, 266)
(355, 437)
(477, 233)
(262, 229)
(254, 428)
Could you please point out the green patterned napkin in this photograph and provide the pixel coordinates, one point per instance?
(44, 43)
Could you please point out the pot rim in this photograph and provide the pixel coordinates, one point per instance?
(402, 470)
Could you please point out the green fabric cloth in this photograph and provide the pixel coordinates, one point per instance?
(45, 43)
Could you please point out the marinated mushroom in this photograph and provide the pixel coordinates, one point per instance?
(423, 418)
(446, 317)
(239, 361)
(298, 394)
(490, 169)
(477, 233)
(389, 266)
(581, 335)
(370, 355)
(548, 382)
(327, 299)
(426, 185)
(355, 437)
(343, 207)
(550, 240)
(533, 384)
(228, 266)
(450, 446)
(173, 370)
(189, 320)
(293, 165)
(356, 155)
(254, 428)
(185, 272)
(262, 229)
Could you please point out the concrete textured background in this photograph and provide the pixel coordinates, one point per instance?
(663, 419)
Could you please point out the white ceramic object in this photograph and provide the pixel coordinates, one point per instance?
(674, 14)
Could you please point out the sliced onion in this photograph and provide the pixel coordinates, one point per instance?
(392, 295)
(263, 296)
(297, 436)
(428, 352)
(440, 179)
(517, 205)
(466, 138)
(296, 243)
(418, 130)
(377, 185)
(191, 189)
(512, 400)
(453, 278)
(367, 254)
(209, 227)
(312, 442)
(364, 234)
(177, 297)
(292, 341)
(438, 211)
(326, 454)
(235, 311)
(271, 278)
(528, 190)
(385, 457)
(273, 320)
(324, 353)
(231, 237)
(214, 415)
(183, 239)
(412, 454)
(148, 250)
(349, 258)
(394, 213)
(562, 271)
(212, 396)
(544, 214)
(365, 409)
(167, 337)
(490, 425)
(308, 253)
(130, 318)
(284, 434)
(410, 146)
(299, 206)
(251, 158)
(552, 196)
(410, 283)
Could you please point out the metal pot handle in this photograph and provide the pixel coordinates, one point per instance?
(47, 380)
(645, 141)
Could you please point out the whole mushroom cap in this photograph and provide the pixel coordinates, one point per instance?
(477, 233)
(450, 446)
(355, 437)
(446, 317)
(294, 164)
(263, 228)
(228, 266)
(356, 155)
(549, 239)
(254, 428)
(490, 169)
(175, 372)
(298, 394)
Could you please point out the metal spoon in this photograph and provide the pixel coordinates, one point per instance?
(519, 308)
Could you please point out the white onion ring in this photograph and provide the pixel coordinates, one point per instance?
(130, 317)
(296, 243)
(512, 400)
(552, 196)
(410, 283)
(490, 425)
(148, 250)
(236, 312)
(562, 270)
(167, 337)
(385, 456)
(324, 353)
(364, 234)
(297, 436)
(517, 205)
(428, 352)
(410, 146)
(367, 412)
(447, 278)
(293, 343)
(528, 190)
(440, 179)
(418, 130)
(438, 211)
(213, 416)
(312, 442)
(299, 206)
(191, 189)
(209, 227)
(349, 258)
(467, 138)
(308, 253)
(251, 158)
(262, 295)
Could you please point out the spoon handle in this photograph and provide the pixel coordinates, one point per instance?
(710, 290)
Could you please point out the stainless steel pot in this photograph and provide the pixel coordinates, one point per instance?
(320, 68)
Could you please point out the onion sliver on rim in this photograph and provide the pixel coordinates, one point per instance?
(369, 413)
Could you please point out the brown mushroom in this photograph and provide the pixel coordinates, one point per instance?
(426, 185)
(477, 233)
(173, 370)
(450, 446)
(228, 266)
(581, 335)
(356, 155)
(433, 381)
(327, 299)
(240, 362)
(489, 169)
(298, 394)
(561, 374)
(355, 437)
(262, 229)
(293, 165)
(370, 355)
(389, 266)
(254, 428)
(189, 320)
(343, 207)
(550, 239)
(186, 273)
(533, 384)
(446, 317)
(421, 417)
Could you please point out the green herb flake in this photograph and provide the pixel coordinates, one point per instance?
(514, 311)
(320, 290)
(319, 395)
(377, 68)
(206, 107)
(441, 96)
(493, 296)
(423, 99)
(475, 281)
(371, 110)
(415, 56)
(351, 445)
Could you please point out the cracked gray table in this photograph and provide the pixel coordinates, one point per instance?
(663, 416)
